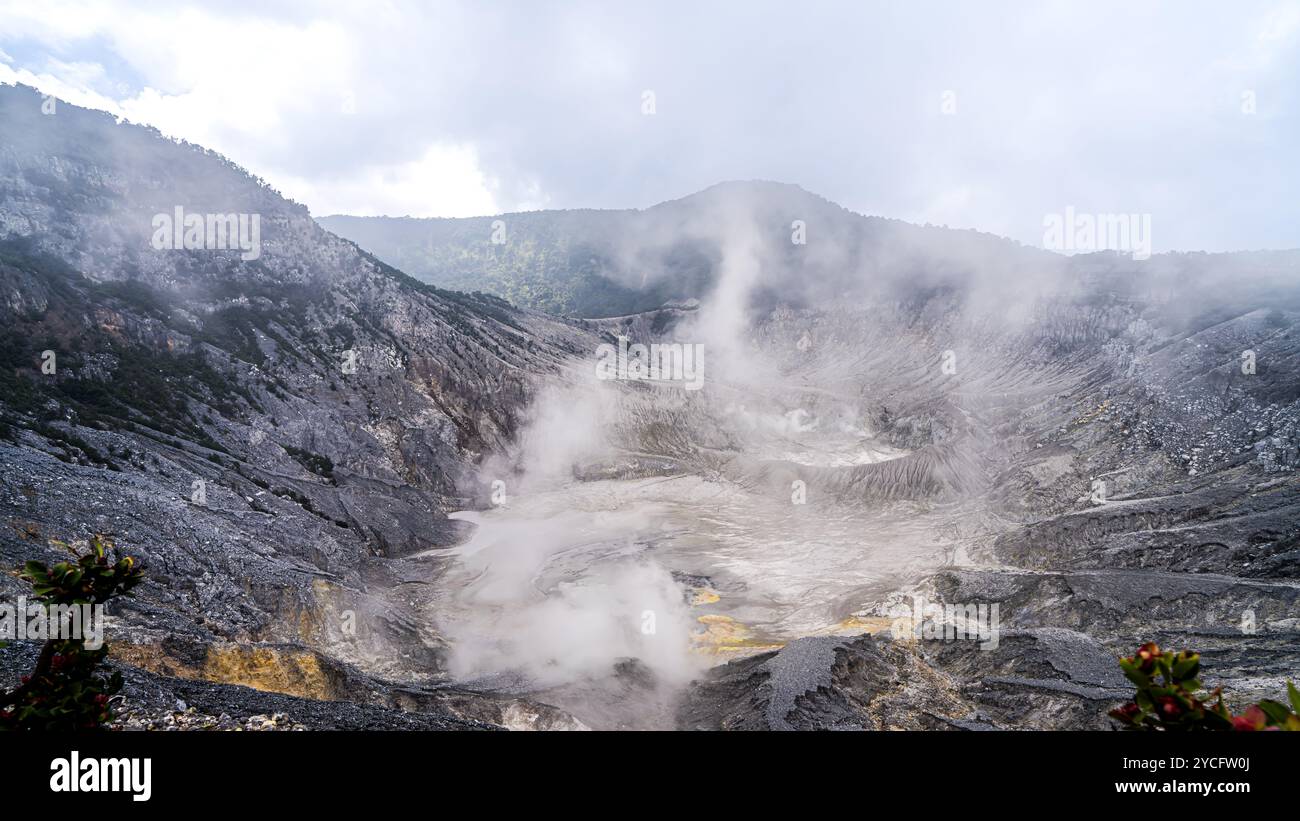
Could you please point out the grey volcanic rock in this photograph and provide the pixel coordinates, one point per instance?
(153, 702)
(1034, 679)
(155, 696)
(259, 432)
(1047, 678)
(822, 683)
(1109, 472)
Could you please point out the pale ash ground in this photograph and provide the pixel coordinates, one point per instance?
(555, 586)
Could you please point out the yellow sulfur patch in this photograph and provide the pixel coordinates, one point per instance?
(153, 658)
(285, 670)
(703, 595)
(865, 624)
(723, 634)
(292, 672)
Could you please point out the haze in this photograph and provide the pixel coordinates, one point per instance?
(928, 112)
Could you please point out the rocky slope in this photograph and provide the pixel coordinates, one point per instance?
(1108, 472)
(270, 436)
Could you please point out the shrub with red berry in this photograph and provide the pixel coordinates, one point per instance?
(64, 690)
(1166, 699)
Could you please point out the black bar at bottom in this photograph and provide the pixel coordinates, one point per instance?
(301, 770)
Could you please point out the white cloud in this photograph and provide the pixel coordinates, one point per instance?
(460, 107)
(445, 182)
(240, 87)
(59, 87)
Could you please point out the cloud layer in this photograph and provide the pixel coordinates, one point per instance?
(930, 112)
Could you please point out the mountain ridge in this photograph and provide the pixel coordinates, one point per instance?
(266, 435)
(597, 263)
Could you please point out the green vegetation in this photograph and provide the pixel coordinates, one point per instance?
(314, 462)
(556, 262)
(105, 378)
(1167, 683)
(65, 691)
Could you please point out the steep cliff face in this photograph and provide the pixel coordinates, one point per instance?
(266, 433)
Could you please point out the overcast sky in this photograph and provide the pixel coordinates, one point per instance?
(973, 115)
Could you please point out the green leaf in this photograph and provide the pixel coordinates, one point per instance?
(1277, 712)
(1133, 674)
(1293, 695)
(1186, 668)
